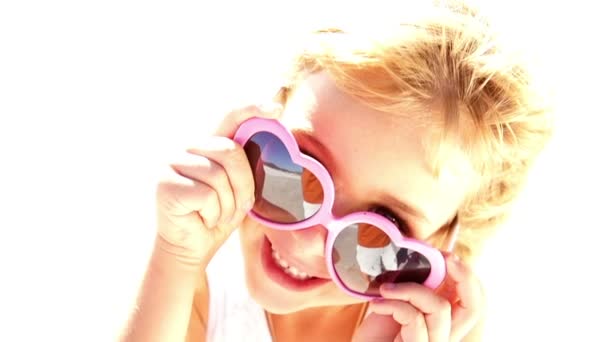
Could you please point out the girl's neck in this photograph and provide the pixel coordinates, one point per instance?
(337, 323)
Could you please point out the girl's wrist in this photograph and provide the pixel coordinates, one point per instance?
(166, 256)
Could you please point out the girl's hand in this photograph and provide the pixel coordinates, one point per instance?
(207, 192)
(410, 312)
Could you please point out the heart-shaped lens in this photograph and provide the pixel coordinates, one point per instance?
(364, 257)
(285, 192)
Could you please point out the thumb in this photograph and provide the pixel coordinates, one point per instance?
(235, 118)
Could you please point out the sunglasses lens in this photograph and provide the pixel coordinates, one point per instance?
(285, 192)
(364, 257)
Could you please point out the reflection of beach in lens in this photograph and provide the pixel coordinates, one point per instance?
(411, 267)
(363, 269)
(279, 182)
(282, 189)
(347, 266)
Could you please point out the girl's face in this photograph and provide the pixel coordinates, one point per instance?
(377, 161)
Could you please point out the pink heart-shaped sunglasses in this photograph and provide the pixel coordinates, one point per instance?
(363, 249)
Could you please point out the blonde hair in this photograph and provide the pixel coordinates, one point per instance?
(445, 61)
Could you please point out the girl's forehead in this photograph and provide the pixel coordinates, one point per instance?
(374, 152)
(317, 100)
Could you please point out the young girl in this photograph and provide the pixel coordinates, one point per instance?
(427, 124)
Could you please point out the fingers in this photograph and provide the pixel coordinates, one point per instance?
(222, 165)
(443, 320)
(185, 197)
(467, 311)
(229, 168)
(234, 119)
(435, 310)
(412, 321)
(211, 186)
(212, 174)
(214, 180)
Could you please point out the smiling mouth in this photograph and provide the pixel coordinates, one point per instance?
(284, 274)
(288, 269)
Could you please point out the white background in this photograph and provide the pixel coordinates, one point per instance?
(95, 95)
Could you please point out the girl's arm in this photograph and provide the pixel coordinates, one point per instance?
(202, 199)
(163, 307)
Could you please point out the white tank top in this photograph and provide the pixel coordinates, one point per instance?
(233, 314)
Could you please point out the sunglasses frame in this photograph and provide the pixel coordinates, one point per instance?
(326, 218)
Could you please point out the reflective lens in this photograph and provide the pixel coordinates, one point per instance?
(284, 191)
(364, 257)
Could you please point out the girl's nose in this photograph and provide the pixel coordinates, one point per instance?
(311, 241)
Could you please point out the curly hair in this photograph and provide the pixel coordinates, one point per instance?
(445, 60)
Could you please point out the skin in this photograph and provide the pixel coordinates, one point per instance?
(207, 193)
(355, 156)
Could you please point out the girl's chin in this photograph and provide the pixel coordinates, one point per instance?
(278, 300)
(282, 303)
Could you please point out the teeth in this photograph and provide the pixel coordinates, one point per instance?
(290, 270)
(281, 262)
(293, 271)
